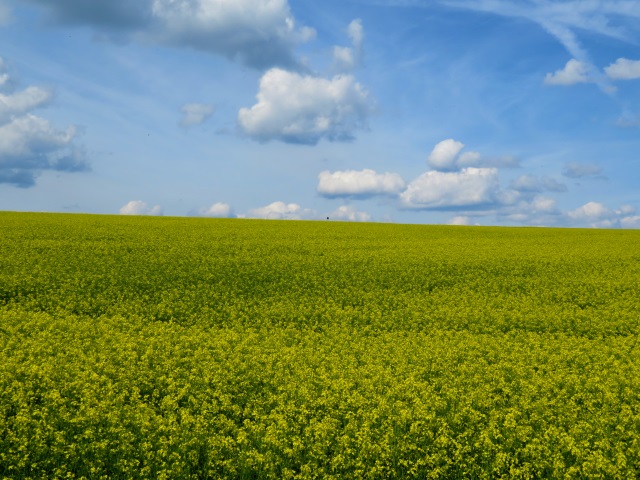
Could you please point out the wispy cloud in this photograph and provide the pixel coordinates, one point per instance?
(581, 170)
(347, 58)
(195, 114)
(563, 19)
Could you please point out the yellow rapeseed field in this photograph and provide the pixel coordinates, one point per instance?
(171, 348)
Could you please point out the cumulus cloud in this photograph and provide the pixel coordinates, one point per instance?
(573, 72)
(349, 213)
(581, 170)
(195, 114)
(30, 144)
(278, 211)
(444, 154)
(19, 103)
(597, 215)
(138, 207)
(258, 33)
(304, 109)
(534, 184)
(623, 69)
(218, 210)
(447, 156)
(542, 210)
(471, 187)
(591, 211)
(524, 210)
(347, 58)
(359, 184)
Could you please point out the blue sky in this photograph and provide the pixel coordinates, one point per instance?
(490, 112)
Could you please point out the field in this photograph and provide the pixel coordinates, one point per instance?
(137, 347)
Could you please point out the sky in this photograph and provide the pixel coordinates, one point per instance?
(464, 112)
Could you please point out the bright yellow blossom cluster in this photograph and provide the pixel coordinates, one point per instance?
(137, 347)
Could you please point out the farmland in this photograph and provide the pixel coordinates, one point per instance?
(138, 347)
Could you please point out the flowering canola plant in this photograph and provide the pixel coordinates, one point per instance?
(137, 347)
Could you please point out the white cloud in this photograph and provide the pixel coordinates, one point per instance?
(543, 210)
(278, 211)
(195, 114)
(22, 102)
(447, 156)
(258, 33)
(624, 69)
(591, 212)
(138, 207)
(542, 204)
(350, 214)
(460, 220)
(597, 215)
(356, 32)
(626, 210)
(304, 109)
(631, 222)
(30, 144)
(348, 58)
(573, 72)
(344, 58)
(444, 154)
(581, 170)
(471, 187)
(364, 183)
(464, 180)
(534, 184)
(538, 210)
(218, 210)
